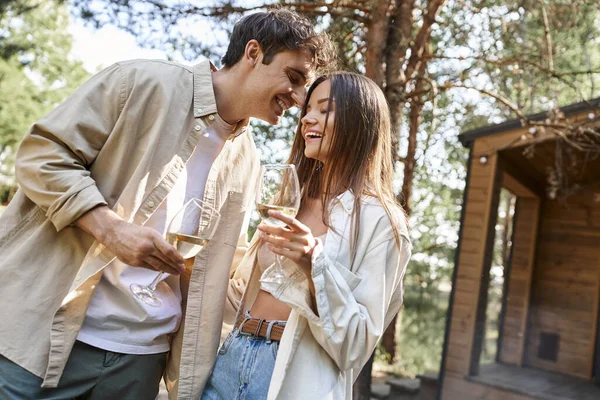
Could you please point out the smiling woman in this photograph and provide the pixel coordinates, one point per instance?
(317, 123)
(345, 254)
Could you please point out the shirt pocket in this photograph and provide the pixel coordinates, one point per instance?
(234, 217)
(351, 279)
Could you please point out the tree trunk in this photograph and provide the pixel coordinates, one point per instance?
(415, 117)
(376, 38)
(398, 41)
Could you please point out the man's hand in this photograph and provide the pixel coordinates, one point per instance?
(134, 245)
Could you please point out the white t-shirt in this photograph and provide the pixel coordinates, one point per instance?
(115, 321)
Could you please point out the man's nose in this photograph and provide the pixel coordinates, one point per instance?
(299, 96)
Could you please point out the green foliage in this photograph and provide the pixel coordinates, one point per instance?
(6, 193)
(437, 200)
(38, 74)
(534, 54)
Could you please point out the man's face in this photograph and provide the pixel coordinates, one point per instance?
(280, 85)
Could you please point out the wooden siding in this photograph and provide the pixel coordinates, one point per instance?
(519, 284)
(470, 264)
(566, 284)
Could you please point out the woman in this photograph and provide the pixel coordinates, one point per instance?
(345, 255)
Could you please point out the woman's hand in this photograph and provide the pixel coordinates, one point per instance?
(294, 241)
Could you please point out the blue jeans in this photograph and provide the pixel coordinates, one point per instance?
(243, 368)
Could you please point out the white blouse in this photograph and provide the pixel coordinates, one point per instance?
(321, 354)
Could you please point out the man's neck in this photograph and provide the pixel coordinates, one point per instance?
(227, 95)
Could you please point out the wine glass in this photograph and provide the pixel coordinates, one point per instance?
(189, 232)
(278, 190)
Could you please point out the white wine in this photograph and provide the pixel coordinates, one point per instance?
(263, 211)
(187, 245)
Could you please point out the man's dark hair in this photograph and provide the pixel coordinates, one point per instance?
(278, 30)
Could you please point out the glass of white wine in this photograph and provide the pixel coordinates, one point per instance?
(278, 190)
(189, 232)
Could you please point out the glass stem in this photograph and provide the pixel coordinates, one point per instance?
(155, 282)
(278, 260)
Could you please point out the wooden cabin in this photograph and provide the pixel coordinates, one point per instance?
(548, 336)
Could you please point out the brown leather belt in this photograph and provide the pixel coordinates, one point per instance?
(260, 328)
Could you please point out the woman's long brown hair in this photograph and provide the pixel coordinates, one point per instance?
(360, 153)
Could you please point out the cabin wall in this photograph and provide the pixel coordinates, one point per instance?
(519, 281)
(480, 189)
(566, 283)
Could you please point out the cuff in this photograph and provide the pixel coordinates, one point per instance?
(78, 200)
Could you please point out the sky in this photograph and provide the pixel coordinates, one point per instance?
(103, 47)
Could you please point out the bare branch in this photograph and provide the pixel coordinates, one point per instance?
(548, 36)
(423, 37)
(513, 107)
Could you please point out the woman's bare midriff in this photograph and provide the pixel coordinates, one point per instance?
(269, 308)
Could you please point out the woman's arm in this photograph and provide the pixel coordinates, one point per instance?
(352, 308)
(352, 320)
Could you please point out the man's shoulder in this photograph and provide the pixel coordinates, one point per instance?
(155, 69)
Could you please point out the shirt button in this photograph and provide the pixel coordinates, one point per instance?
(78, 278)
(151, 204)
(197, 128)
(199, 110)
(211, 117)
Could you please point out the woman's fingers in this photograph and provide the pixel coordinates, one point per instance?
(287, 253)
(274, 230)
(300, 245)
(293, 223)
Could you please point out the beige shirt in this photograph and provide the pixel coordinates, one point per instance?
(121, 140)
(320, 354)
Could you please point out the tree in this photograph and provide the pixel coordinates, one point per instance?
(455, 60)
(36, 71)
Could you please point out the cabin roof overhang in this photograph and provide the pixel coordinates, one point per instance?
(468, 137)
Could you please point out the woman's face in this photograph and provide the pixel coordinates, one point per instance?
(313, 123)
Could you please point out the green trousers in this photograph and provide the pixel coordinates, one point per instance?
(90, 373)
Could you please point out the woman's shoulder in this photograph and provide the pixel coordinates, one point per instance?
(375, 206)
(373, 209)
(382, 215)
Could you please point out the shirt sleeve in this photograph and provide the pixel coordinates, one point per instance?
(353, 308)
(53, 160)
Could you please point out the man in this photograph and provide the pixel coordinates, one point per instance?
(100, 177)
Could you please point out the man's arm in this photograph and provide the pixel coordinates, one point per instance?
(134, 245)
(52, 168)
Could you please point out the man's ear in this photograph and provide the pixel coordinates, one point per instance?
(253, 53)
